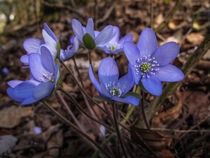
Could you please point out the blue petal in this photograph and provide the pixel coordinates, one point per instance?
(43, 90)
(127, 38)
(50, 32)
(116, 34)
(52, 49)
(132, 52)
(10, 92)
(104, 36)
(90, 28)
(166, 53)
(94, 80)
(24, 59)
(29, 100)
(108, 71)
(147, 42)
(36, 67)
(48, 39)
(31, 45)
(129, 100)
(136, 76)
(126, 82)
(152, 85)
(169, 73)
(77, 28)
(14, 83)
(47, 59)
(24, 90)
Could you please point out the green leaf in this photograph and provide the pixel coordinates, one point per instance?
(166, 1)
(89, 41)
(101, 99)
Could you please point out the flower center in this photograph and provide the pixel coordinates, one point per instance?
(112, 48)
(114, 92)
(146, 66)
(47, 77)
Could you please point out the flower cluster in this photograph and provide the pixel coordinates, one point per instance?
(44, 73)
(148, 64)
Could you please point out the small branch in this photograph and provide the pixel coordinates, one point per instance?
(170, 15)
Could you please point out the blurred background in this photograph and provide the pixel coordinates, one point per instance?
(36, 133)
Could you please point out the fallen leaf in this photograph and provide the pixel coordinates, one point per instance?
(11, 116)
(195, 38)
(7, 143)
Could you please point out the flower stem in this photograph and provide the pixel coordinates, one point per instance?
(76, 128)
(80, 87)
(141, 95)
(117, 128)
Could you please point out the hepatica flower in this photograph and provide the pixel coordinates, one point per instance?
(90, 38)
(152, 64)
(32, 45)
(110, 86)
(44, 76)
(115, 46)
(71, 49)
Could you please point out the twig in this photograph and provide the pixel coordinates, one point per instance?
(170, 15)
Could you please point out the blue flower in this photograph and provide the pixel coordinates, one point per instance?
(110, 86)
(44, 76)
(115, 46)
(99, 38)
(71, 49)
(151, 64)
(32, 45)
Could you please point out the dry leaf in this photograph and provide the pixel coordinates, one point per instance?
(195, 38)
(11, 116)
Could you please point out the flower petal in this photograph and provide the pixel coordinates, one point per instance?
(14, 83)
(166, 53)
(24, 90)
(127, 38)
(94, 80)
(47, 59)
(31, 45)
(132, 52)
(43, 90)
(126, 82)
(90, 28)
(108, 71)
(24, 59)
(10, 92)
(50, 32)
(169, 73)
(116, 34)
(136, 76)
(29, 100)
(77, 28)
(129, 100)
(152, 85)
(36, 67)
(104, 36)
(147, 42)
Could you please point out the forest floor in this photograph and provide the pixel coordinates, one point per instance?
(184, 115)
